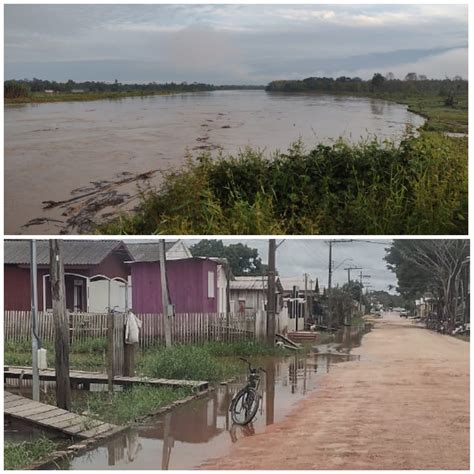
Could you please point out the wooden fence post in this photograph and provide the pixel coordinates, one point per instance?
(110, 350)
(61, 323)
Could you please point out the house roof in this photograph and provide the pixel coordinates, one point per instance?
(249, 283)
(258, 283)
(148, 251)
(75, 252)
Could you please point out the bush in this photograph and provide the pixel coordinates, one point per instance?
(416, 187)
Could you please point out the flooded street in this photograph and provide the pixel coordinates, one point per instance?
(191, 434)
(404, 405)
(56, 152)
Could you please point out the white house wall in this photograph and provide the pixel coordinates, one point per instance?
(221, 290)
(178, 251)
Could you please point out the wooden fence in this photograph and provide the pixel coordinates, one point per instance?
(186, 328)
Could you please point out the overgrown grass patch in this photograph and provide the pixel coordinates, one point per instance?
(130, 404)
(418, 186)
(185, 363)
(19, 455)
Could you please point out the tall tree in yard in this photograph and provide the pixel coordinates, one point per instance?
(61, 325)
(431, 265)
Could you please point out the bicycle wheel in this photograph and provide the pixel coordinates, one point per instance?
(244, 406)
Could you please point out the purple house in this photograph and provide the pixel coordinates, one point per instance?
(192, 284)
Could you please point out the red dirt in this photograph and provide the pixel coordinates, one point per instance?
(404, 405)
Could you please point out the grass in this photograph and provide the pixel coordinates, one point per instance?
(210, 361)
(439, 117)
(19, 455)
(418, 186)
(129, 405)
(84, 355)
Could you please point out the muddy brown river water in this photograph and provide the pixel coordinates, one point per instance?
(55, 152)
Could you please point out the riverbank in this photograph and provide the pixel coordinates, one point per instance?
(416, 187)
(409, 394)
(439, 117)
(38, 97)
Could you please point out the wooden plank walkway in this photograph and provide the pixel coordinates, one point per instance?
(54, 418)
(80, 377)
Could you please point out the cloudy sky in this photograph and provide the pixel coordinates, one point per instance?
(237, 44)
(295, 257)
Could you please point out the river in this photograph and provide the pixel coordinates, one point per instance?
(100, 150)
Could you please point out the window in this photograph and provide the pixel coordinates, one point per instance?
(210, 285)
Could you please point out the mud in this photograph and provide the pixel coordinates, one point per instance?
(53, 149)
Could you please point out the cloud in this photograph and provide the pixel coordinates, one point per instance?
(232, 43)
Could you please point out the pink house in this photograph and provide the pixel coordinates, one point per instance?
(192, 284)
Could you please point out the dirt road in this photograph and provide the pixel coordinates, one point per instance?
(404, 405)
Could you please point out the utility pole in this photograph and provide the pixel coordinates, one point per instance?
(330, 270)
(165, 299)
(349, 272)
(34, 322)
(271, 295)
(61, 325)
(348, 269)
(306, 301)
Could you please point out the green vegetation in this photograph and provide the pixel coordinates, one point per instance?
(84, 355)
(34, 90)
(129, 405)
(19, 455)
(418, 186)
(444, 103)
(213, 361)
(243, 260)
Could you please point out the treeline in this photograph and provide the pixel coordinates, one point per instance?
(22, 88)
(412, 83)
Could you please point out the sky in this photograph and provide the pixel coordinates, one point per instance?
(233, 44)
(295, 257)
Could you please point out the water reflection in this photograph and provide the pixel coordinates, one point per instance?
(197, 431)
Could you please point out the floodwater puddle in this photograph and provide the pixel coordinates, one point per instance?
(191, 434)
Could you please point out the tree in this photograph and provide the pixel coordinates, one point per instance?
(422, 77)
(436, 266)
(377, 80)
(411, 76)
(390, 76)
(243, 260)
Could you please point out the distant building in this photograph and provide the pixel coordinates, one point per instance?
(49, 91)
(77, 91)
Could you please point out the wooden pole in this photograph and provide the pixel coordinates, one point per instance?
(306, 302)
(110, 350)
(165, 300)
(61, 325)
(271, 298)
(34, 323)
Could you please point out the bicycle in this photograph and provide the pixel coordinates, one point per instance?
(244, 405)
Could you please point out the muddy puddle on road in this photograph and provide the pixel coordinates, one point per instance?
(200, 430)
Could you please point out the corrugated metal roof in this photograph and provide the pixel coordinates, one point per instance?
(75, 252)
(147, 251)
(249, 283)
